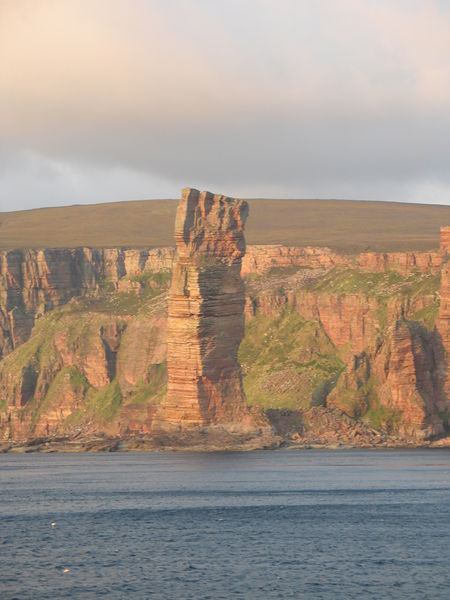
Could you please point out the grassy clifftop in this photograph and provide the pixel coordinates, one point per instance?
(345, 225)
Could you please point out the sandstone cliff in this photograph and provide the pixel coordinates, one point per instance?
(83, 336)
(261, 259)
(383, 362)
(33, 282)
(88, 367)
(403, 262)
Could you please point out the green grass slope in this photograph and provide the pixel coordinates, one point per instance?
(287, 361)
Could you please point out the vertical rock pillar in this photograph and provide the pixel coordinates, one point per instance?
(206, 314)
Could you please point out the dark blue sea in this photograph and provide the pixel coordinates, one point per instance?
(274, 524)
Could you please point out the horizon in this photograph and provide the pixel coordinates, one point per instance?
(247, 198)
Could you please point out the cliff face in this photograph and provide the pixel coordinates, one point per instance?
(393, 384)
(385, 366)
(261, 259)
(33, 282)
(408, 389)
(350, 319)
(403, 262)
(206, 313)
(87, 371)
(83, 334)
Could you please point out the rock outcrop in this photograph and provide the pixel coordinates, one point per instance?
(408, 388)
(33, 282)
(260, 259)
(395, 373)
(393, 383)
(85, 371)
(444, 245)
(403, 262)
(350, 320)
(206, 315)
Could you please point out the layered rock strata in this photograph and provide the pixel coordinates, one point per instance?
(393, 380)
(85, 372)
(97, 365)
(206, 314)
(444, 245)
(403, 262)
(33, 282)
(408, 388)
(260, 259)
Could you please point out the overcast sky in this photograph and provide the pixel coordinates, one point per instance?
(106, 100)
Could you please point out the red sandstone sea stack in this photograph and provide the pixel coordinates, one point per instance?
(206, 316)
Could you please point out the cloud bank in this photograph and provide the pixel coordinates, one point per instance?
(111, 99)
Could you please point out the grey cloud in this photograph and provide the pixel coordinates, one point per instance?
(258, 98)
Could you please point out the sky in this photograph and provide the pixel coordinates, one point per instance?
(105, 100)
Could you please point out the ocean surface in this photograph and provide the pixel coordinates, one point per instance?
(274, 524)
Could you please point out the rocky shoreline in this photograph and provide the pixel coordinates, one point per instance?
(203, 443)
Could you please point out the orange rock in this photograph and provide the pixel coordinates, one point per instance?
(206, 314)
(408, 388)
(260, 259)
(33, 282)
(378, 262)
(445, 240)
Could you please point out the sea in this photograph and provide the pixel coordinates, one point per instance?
(303, 524)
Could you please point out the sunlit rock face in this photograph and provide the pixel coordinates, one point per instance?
(445, 240)
(36, 281)
(206, 313)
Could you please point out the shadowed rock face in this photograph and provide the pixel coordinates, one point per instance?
(206, 313)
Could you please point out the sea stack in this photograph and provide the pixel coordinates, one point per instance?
(206, 315)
